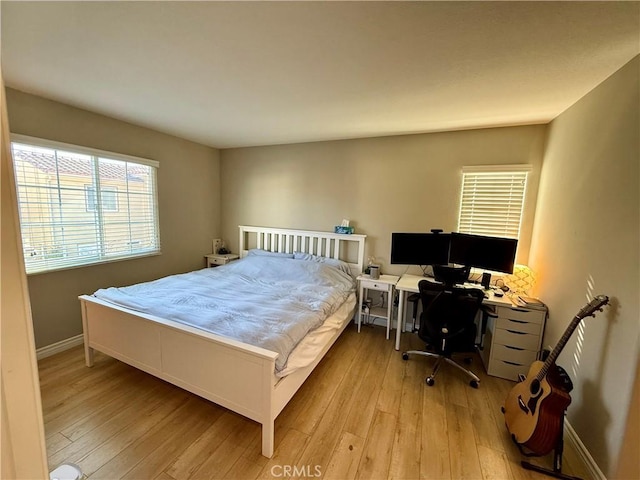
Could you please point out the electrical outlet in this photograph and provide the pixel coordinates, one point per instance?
(217, 245)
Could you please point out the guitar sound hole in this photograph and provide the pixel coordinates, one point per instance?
(534, 387)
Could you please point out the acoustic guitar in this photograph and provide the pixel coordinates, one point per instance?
(534, 408)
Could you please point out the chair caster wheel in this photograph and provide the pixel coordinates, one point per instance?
(405, 356)
(473, 383)
(430, 381)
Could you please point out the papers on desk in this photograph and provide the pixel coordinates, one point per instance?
(529, 302)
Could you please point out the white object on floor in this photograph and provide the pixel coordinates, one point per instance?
(66, 471)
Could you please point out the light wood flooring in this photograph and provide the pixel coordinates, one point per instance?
(363, 413)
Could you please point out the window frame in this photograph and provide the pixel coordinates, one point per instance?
(90, 202)
(95, 154)
(495, 171)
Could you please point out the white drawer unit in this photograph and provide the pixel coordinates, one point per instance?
(513, 341)
(385, 283)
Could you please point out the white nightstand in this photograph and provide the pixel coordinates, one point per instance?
(213, 260)
(386, 283)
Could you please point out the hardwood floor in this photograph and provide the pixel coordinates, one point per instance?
(363, 413)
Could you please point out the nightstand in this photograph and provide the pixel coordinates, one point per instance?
(214, 260)
(386, 283)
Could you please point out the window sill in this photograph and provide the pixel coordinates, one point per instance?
(93, 264)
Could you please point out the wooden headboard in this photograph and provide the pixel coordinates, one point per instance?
(348, 248)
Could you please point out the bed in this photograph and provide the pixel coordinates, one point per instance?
(237, 375)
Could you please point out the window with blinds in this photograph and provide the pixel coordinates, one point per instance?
(492, 200)
(80, 206)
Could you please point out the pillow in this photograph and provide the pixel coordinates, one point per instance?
(305, 256)
(334, 262)
(257, 252)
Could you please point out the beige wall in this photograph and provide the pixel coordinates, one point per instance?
(401, 183)
(188, 201)
(23, 449)
(586, 240)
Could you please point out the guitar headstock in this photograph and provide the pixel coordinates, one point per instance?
(595, 305)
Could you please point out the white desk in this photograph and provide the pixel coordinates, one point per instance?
(409, 283)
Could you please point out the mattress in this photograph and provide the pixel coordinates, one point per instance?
(269, 302)
(312, 344)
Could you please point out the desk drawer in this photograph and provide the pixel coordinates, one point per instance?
(509, 370)
(512, 338)
(373, 285)
(513, 354)
(522, 326)
(522, 314)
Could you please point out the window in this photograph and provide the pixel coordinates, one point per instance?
(109, 196)
(492, 200)
(80, 206)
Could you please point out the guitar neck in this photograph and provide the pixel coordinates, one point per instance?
(595, 304)
(551, 359)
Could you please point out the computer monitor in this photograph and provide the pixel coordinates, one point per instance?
(420, 248)
(489, 253)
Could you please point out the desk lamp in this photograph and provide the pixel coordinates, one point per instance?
(521, 281)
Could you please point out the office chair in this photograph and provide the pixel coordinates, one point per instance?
(447, 324)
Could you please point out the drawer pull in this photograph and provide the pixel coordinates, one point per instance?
(517, 333)
(517, 321)
(512, 363)
(514, 348)
(520, 310)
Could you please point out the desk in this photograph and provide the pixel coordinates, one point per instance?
(513, 337)
(409, 283)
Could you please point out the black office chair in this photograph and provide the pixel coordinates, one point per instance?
(447, 324)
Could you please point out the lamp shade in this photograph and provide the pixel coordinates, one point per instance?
(521, 281)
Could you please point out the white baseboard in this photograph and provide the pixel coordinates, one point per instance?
(58, 347)
(583, 454)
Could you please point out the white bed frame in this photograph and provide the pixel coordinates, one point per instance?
(232, 374)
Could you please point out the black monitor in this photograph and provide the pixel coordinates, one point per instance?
(420, 248)
(489, 253)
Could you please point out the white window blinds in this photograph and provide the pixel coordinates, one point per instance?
(492, 200)
(80, 206)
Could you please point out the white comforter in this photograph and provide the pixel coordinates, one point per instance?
(267, 302)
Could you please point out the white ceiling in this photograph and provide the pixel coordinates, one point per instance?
(230, 74)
